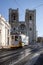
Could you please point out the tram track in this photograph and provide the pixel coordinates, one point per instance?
(8, 58)
(5, 52)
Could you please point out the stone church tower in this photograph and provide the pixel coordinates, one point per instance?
(30, 19)
(13, 19)
(27, 27)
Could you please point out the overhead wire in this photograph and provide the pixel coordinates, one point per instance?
(38, 6)
(18, 4)
(19, 7)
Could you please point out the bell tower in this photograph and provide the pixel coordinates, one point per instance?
(30, 19)
(13, 19)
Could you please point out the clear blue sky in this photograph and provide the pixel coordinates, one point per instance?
(22, 5)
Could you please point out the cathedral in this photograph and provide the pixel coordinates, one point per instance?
(27, 27)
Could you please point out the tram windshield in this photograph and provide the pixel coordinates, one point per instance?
(16, 38)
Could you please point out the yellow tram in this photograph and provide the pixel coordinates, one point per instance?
(19, 40)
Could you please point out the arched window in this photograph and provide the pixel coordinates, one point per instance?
(22, 26)
(14, 17)
(30, 29)
(14, 28)
(30, 17)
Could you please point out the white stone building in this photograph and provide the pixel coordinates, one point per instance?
(4, 33)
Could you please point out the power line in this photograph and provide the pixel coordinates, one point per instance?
(19, 6)
(38, 6)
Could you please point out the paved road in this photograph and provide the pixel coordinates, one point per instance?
(7, 57)
(28, 57)
(36, 59)
(19, 58)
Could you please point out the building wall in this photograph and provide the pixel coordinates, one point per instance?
(30, 18)
(13, 19)
(4, 35)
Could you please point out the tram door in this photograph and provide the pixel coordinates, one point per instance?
(16, 42)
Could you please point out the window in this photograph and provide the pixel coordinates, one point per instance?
(19, 37)
(30, 17)
(30, 29)
(8, 40)
(22, 27)
(14, 17)
(8, 31)
(12, 37)
(0, 31)
(13, 28)
(16, 38)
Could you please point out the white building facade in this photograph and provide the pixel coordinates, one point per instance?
(4, 33)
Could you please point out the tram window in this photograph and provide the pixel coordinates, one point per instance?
(16, 38)
(19, 37)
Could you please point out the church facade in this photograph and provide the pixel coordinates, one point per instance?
(27, 27)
